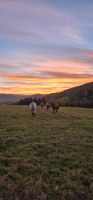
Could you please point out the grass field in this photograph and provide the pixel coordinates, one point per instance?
(46, 158)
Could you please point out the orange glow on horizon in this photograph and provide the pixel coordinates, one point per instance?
(44, 86)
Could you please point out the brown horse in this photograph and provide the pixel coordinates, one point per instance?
(48, 106)
(55, 107)
(42, 105)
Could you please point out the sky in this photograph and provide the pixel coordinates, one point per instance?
(45, 45)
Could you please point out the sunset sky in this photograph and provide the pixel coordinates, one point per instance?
(45, 45)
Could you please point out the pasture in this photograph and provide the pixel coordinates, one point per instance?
(46, 158)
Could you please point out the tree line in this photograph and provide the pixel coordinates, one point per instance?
(80, 100)
(28, 100)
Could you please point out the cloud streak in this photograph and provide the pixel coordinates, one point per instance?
(41, 18)
(48, 82)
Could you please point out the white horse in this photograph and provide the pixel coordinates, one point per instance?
(33, 108)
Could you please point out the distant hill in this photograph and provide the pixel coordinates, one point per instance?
(79, 91)
(81, 96)
(10, 98)
(82, 90)
(13, 98)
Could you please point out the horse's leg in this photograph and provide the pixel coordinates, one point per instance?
(33, 114)
(53, 111)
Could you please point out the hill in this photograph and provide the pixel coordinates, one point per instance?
(78, 96)
(82, 90)
(13, 98)
(10, 98)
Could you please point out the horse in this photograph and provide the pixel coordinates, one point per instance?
(42, 105)
(55, 107)
(33, 108)
(48, 106)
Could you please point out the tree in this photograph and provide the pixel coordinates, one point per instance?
(64, 101)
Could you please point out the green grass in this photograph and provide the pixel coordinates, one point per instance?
(46, 158)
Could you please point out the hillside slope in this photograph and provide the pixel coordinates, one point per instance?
(75, 92)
